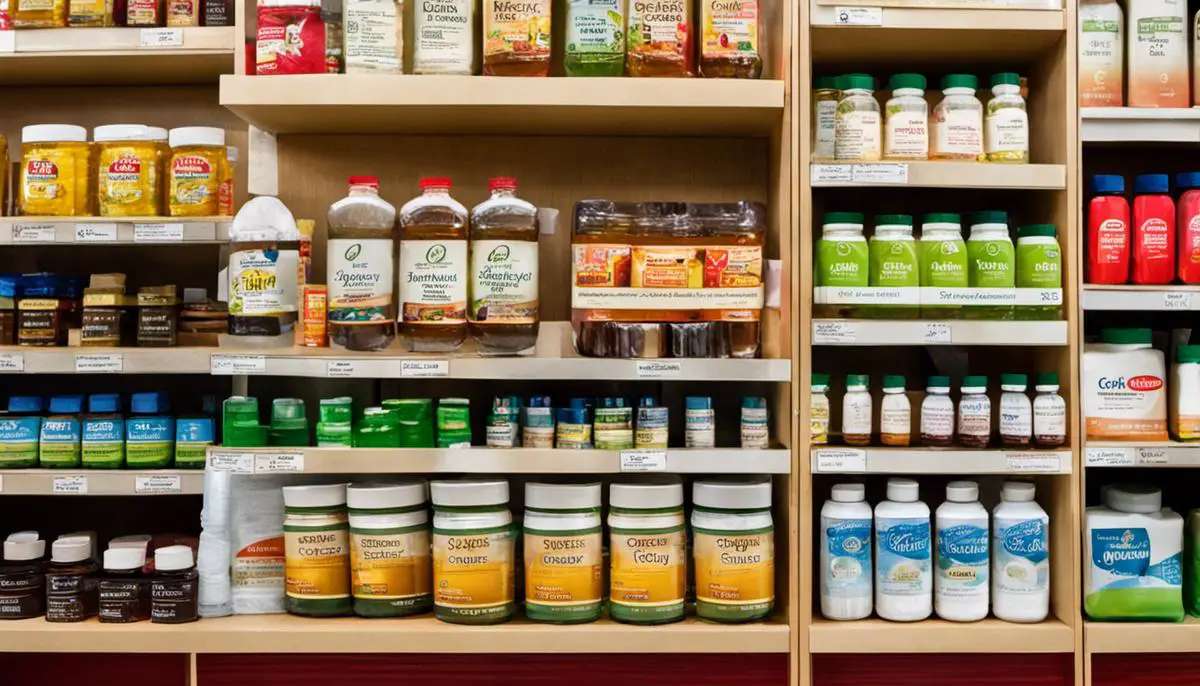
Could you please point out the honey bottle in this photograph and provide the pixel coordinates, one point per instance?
(660, 38)
(433, 270)
(503, 309)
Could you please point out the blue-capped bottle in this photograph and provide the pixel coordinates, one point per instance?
(652, 424)
(103, 445)
(10, 289)
(699, 422)
(574, 430)
(537, 427)
(149, 432)
(59, 443)
(19, 429)
(39, 315)
(756, 430)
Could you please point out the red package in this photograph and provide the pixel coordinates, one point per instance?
(291, 39)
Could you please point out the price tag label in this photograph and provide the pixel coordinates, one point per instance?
(653, 369)
(1045, 463)
(99, 364)
(70, 485)
(158, 233)
(12, 362)
(834, 332)
(162, 38)
(230, 461)
(858, 16)
(936, 332)
(1, 483)
(238, 364)
(33, 233)
(1108, 457)
(880, 173)
(839, 460)
(340, 368)
(158, 483)
(1177, 300)
(269, 463)
(831, 174)
(1150, 456)
(8, 41)
(95, 233)
(418, 368)
(643, 460)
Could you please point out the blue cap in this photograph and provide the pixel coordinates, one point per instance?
(697, 402)
(579, 403)
(1151, 183)
(194, 430)
(25, 403)
(753, 402)
(648, 401)
(572, 415)
(539, 401)
(10, 285)
(1187, 180)
(66, 404)
(39, 285)
(149, 403)
(104, 402)
(1108, 183)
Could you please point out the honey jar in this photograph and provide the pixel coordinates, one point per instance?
(196, 171)
(54, 171)
(127, 171)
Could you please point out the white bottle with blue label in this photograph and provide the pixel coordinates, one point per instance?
(961, 584)
(1020, 556)
(846, 577)
(903, 554)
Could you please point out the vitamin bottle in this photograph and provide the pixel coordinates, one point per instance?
(906, 127)
(574, 430)
(19, 431)
(729, 42)
(433, 269)
(961, 585)
(1016, 412)
(60, 441)
(444, 38)
(756, 427)
(516, 38)
(974, 413)
(390, 570)
(1153, 231)
(149, 432)
(733, 544)
(846, 574)
(647, 548)
(102, 434)
(993, 261)
(1006, 127)
(56, 174)
(825, 103)
(818, 410)
(39, 14)
(856, 410)
(1049, 412)
(903, 554)
(700, 422)
(23, 577)
(857, 127)
(895, 413)
(175, 586)
(361, 255)
(652, 424)
(72, 586)
(595, 37)
(937, 413)
(944, 261)
(842, 258)
(473, 551)
(195, 171)
(1188, 223)
(503, 311)
(1039, 265)
(1101, 54)
(958, 121)
(1157, 53)
(660, 38)
(564, 553)
(1108, 231)
(1020, 556)
(124, 589)
(894, 262)
(316, 539)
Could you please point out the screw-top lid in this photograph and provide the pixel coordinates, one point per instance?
(820, 380)
(938, 383)
(903, 490)
(436, 182)
(974, 384)
(752, 493)
(1108, 183)
(502, 183)
(989, 217)
(893, 382)
(23, 551)
(1006, 79)
(364, 181)
(1013, 382)
(893, 220)
(386, 495)
(942, 218)
(121, 132)
(647, 494)
(1017, 492)
(173, 558)
(906, 81)
(124, 558)
(70, 549)
(148, 403)
(24, 403)
(159, 134)
(1037, 230)
(66, 404)
(1150, 183)
(104, 402)
(960, 81)
(754, 402)
(315, 495)
(1047, 379)
(469, 492)
(1187, 180)
(543, 496)
(825, 83)
(848, 493)
(858, 82)
(857, 382)
(962, 491)
(196, 135)
(1187, 353)
(842, 218)
(1136, 498)
(698, 402)
(23, 536)
(139, 541)
(1126, 336)
(53, 133)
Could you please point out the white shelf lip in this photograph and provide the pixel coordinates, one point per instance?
(923, 332)
(965, 297)
(939, 174)
(940, 636)
(218, 39)
(1133, 454)
(112, 230)
(1142, 637)
(924, 460)
(1156, 298)
(824, 16)
(101, 482)
(1140, 124)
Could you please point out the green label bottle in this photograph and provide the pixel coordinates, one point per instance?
(1039, 265)
(943, 261)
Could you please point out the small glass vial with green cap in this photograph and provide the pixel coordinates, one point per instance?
(1049, 412)
(958, 121)
(857, 127)
(906, 119)
(1006, 125)
(289, 425)
(856, 410)
(974, 413)
(937, 413)
(1016, 412)
(895, 413)
(335, 423)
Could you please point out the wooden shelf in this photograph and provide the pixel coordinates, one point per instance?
(940, 636)
(343, 103)
(289, 634)
(1135, 454)
(1142, 637)
(1141, 298)
(1140, 124)
(961, 21)
(113, 230)
(920, 332)
(919, 460)
(101, 481)
(938, 174)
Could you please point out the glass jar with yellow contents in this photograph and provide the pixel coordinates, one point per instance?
(55, 177)
(195, 171)
(39, 14)
(127, 171)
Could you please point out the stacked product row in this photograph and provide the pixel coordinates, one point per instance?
(1139, 57)
(1159, 246)
(50, 14)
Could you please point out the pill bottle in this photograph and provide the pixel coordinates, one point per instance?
(856, 410)
(23, 577)
(474, 551)
(390, 570)
(652, 424)
(846, 576)
(316, 542)
(1006, 125)
(957, 121)
(1020, 556)
(124, 591)
(175, 586)
(818, 410)
(903, 554)
(537, 427)
(857, 129)
(700, 422)
(906, 129)
(1108, 233)
(1049, 413)
(1016, 412)
(825, 101)
(648, 551)
(937, 413)
(974, 413)
(564, 553)
(733, 546)
(72, 586)
(755, 429)
(961, 585)
(895, 413)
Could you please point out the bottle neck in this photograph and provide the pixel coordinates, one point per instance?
(435, 190)
(503, 192)
(363, 189)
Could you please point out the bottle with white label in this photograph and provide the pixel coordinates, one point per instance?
(818, 410)
(895, 413)
(502, 308)
(443, 37)
(433, 270)
(903, 554)
(937, 413)
(974, 413)
(1020, 556)
(906, 126)
(374, 41)
(957, 121)
(1016, 412)
(1049, 413)
(961, 586)
(825, 103)
(846, 577)
(856, 410)
(857, 126)
(1006, 127)
(359, 266)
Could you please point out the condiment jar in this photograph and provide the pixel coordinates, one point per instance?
(974, 413)
(906, 130)
(818, 410)
(55, 171)
(895, 413)
(196, 171)
(937, 413)
(175, 587)
(23, 577)
(856, 410)
(1049, 413)
(1016, 412)
(127, 171)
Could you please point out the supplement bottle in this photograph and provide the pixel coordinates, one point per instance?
(1016, 412)
(72, 586)
(537, 426)
(595, 37)
(1049, 413)
(1006, 126)
(124, 589)
(1157, 53)
(564, 553)
(360, 258)
(1183, 413)
(1108, 231)
(23, 577)
(958, 121)
(903, 555)
(443, 40)
(843, 258)
(857, 128)
(35, 14)
(895, 413)
(937, 413)
(474, 551)
(19, 432)
(390, 570)
(730, 38)
(502, 313)
(846, 575)
(856, 410)
(433, 270)
(818, 410)
(1101, 54)
(1020, 556)
(149, 432)
(612, 425)
(1039, 265)
(59, 443)
(1153, 231)
(1188, 223)
(894, 263)
(316, 542)
(103, 433)
(652, 424)
(647, 547)
(516, 38)
(993, 261)
(700, 422)
(195, 171)
(1124, 387)
(961, 585)
(755, 427)
(175, 586)
(661, 36)
(733, 545)
(574, 430)
(906, 128)
(944, 261)
(825, 101)
(974, 413)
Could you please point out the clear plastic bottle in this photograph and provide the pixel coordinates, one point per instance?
(1049, 412)
(818, 413)
(1016, 411)
(1006, 130)
(895, 413)
(825, 101)
(974, 413)
(906, 126)
(857, 128)
(937, 413)
(433, 270)
(502, 311)
(958, 121)
(360, 266)
(856, 410)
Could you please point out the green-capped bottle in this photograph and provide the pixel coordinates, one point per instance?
(894, 263)
(843, 260)
(993, 261)
(943, 260)
(1039, 265)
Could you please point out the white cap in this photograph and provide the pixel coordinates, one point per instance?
(1017, 491)
(469, 492)
(173, 558)
(157, 133)
(23, 536)
(318, 495)
(197, 135)
(121, 132)
(1137, 498)
(647, 494)
(733, 494)
(53, 133)
(962, 491)
(903, 490)
(139, 541)
(848, 493)
(70, 549)
(387, 495)
(562, 496)
(22, 551)
(124, 558)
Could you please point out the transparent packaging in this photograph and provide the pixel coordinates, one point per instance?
(825, 102)
(502, 312)
(361, 259)
(39, 14)
(55, 173)
(660, 39)
(516, 38)
(958, 121)
(1006, 128)
(730, 39)
(433, 270)
(857, 128)
(906, 124)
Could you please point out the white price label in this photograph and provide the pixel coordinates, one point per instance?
(340, 368)
(1150, 456)
(643, 460)
(237, 364)
(831, 174)
(424, 368)
(158, 233)
(1, 483)
(12, 362)
(269, 463)
(1046, 463)
(230, 461)
(859, 16)
(162, 38)
(1108, 457)
(1177, 300)
(653, 369)
(34, 233)
(8, 41)
(834, 332)
(95, 233)
(158, 483)
(70, 485)
(99, 364)
(839, 460)
(880, 173)
(936, 332)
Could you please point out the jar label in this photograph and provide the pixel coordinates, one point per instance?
(263, 282)
(846, 565)
(149, 442)
(443, 36)
(735, 572)
(19, 442)
(937, 418)
(958, 132)
(504, 282)
(825, 118)
(842, 263)
(518, 29)
(944, 263)
(1007, 130)
(1021, 563)
(1016, 415)
(975, 418)
(730, 28)
(962, 561)
(903, 556)
(128, 183)
(894, 263)
(433, 284)
(563, 574)
(59, 442)
(318, 561)
(360, 281)
(993, 264)
(48, 182)
(856, 135)
(595, 27)
(473, 573)
(658, 26)
(390, 564)
(1039, 265)
(260, 565)
(906, 135)
(196, 181)
(374, 39)
(649, 573)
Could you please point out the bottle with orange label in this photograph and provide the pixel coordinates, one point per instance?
(648, 550)
(195, 171)
(733, 539)
(316, 539)
(127, 171)
(473, 551)
(564, 553)
(389, 549)
(55, 177)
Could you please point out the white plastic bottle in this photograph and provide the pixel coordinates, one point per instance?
(903, 554)
(856, 410)
(961, 584)
(846, 554)
(1020, 556)
(1016, 411)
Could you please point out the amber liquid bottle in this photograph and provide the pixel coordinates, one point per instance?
(516, 37)
(503, 308)
(360, 267)
(433, 270)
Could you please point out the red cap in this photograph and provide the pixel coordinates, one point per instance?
(436, 183)
(364, 181)
(502, 183)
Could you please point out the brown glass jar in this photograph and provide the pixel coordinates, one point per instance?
(39, 322)
(218, 13)
(72, 586)
(175, 587)
(106, 320)
(124, 591)
(503, 312)
(158, 317)
(23, 579)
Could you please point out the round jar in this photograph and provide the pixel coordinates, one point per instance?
(856, 410)
(648, 550)
(564, 553)
(895, 413)
(390, 574)
(127, 171)
(316, 538)
(473, 551)
(195, 171)
(733, 541)
(55, 172)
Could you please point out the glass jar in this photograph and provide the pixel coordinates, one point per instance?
(818, 410)
(824, 122)
(502, 314)
(55, 171)
(158, 316)
(906, 127)
(361, 269)
(857, 127)
(1016, 412)
(162, 156)
(564, 553)
(958, 121)
(145, 13)
(196, 169)
(734, 234)
(937, 413)
(516, 38)
(39, 14)
(474, 551)
(733, 538)
(974, 413)
(648, 551)
(856, 410)
(89, 13)
(595, 37)
(660, 38)
(433, 270)
(730, 44)
(895, 413)
(1006, 128)
(127, 171)
(1049, 412)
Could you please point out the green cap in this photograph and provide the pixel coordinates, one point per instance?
(942, 218)
(1014, 380)
(1126, 336)
(820, 380)
(842, 218)
(241, 410)
(938, 382)
(335, 410)
(287, 412)
(1006, 78)
(858, 81)
(1047, 379)
(1037, 230)
(897, 219)
(822, 83)
(960, 81)
(906, 81)
(858, 380)
(893, 381)
(1187, 353)
(975, 382)
(989, 217)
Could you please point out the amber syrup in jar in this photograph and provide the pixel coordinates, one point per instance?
(433, 270)
(503, 310)
(361, 254)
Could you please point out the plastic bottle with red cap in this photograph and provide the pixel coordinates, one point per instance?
(503, 310)
(1153, 230)
(1108, 236)
(433, 269)
(361, 268)
(1188, 225)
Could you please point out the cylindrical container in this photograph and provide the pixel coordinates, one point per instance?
(175, 587)
(72, 586)
(473, 551)
(906, 128)
(433, 269)
(195, 171)
(1016, 411)
(1020, 556)
(733, 546)
(23, 577)
(856, 410)
(316, 537)
(360, 259)
(647, 546)
(564, 553)
(937, 413)
(390, 571)
(895, 412)
(846, 576)
(974, 413)
(1049, 413)
(903, 554)
(818, 410)
(961, 584)
(124, 589)
(1188, 225)
(127, 171)
(1039, 265)
(1153, 231)
(700, 422)
(1108, 231)
(55, 171)
(502, 311)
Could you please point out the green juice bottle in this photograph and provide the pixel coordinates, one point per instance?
(239, 423)
(1039, 265)
(993, 261)
(595, 37)
(334, 423)
(894, 262)
(843, 259)
(943, 261)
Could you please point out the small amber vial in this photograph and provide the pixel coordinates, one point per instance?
(55, 176)
(196, 170)
(127, 171)
(502, 314)
(39, 14)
